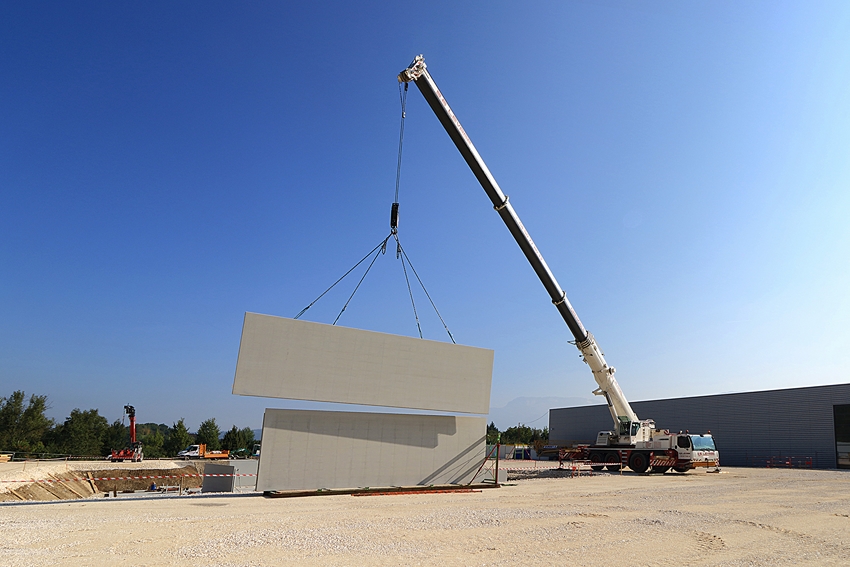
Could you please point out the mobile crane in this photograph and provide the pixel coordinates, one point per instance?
(635, 443)
(134, 451)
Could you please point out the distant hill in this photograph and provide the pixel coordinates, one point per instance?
(533, 412)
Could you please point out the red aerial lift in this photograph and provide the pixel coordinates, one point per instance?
(134, 451)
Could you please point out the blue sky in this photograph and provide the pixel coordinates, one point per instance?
(683, 167)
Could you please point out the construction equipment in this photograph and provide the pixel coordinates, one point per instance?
(134, 451)
(635, 442)
(200, 452)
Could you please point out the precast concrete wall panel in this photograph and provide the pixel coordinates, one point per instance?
(748, 427)
(218, 483)
(302, 360)
(307, 450)
(244, 467)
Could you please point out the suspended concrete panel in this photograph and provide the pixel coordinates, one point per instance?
(302, 360)
(306, 450)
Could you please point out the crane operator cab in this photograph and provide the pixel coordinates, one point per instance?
(628, 428)
(629, 433)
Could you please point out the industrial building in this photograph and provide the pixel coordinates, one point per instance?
(796, 426)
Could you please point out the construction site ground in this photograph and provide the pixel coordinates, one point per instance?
(740, 516)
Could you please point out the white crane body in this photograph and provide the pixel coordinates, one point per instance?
(634, 442)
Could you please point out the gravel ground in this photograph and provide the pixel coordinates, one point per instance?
(750, 517)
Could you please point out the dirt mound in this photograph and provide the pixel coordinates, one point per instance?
(70, 490)
(84, 480)
(128, 480)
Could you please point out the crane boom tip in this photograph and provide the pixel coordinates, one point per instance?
(413, 71)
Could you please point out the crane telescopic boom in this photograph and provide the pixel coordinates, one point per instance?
(627, 423)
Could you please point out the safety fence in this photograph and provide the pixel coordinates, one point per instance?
(574, 468)
(529, 468)
(142, 477)
(20, 457)
(47, 457)
(780, 462)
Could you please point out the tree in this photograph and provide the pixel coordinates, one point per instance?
(232, 439)
(149, 428)
(178, 439)
(23, 429)
(236, 439)
(492, 434)
(82, 433)
(524, 435)
(209, 433)
(248, 433)
(152, 445)
(116, 436)
(517, 435)
(539, 439)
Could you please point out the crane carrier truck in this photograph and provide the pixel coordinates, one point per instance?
(633, 442)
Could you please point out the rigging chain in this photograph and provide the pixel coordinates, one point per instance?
(406, 279)
(381, 248)
(382, 245)
(428, 295)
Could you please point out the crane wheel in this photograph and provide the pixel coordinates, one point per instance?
(638, 462)
(596, 460)
(613, 462)
(681, 469)
(661, 470)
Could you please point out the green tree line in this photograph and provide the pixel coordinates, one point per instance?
(24, 428)
(517, 435)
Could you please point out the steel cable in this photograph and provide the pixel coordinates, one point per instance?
(382, 244)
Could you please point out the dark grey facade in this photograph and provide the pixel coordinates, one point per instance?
(749, 428)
